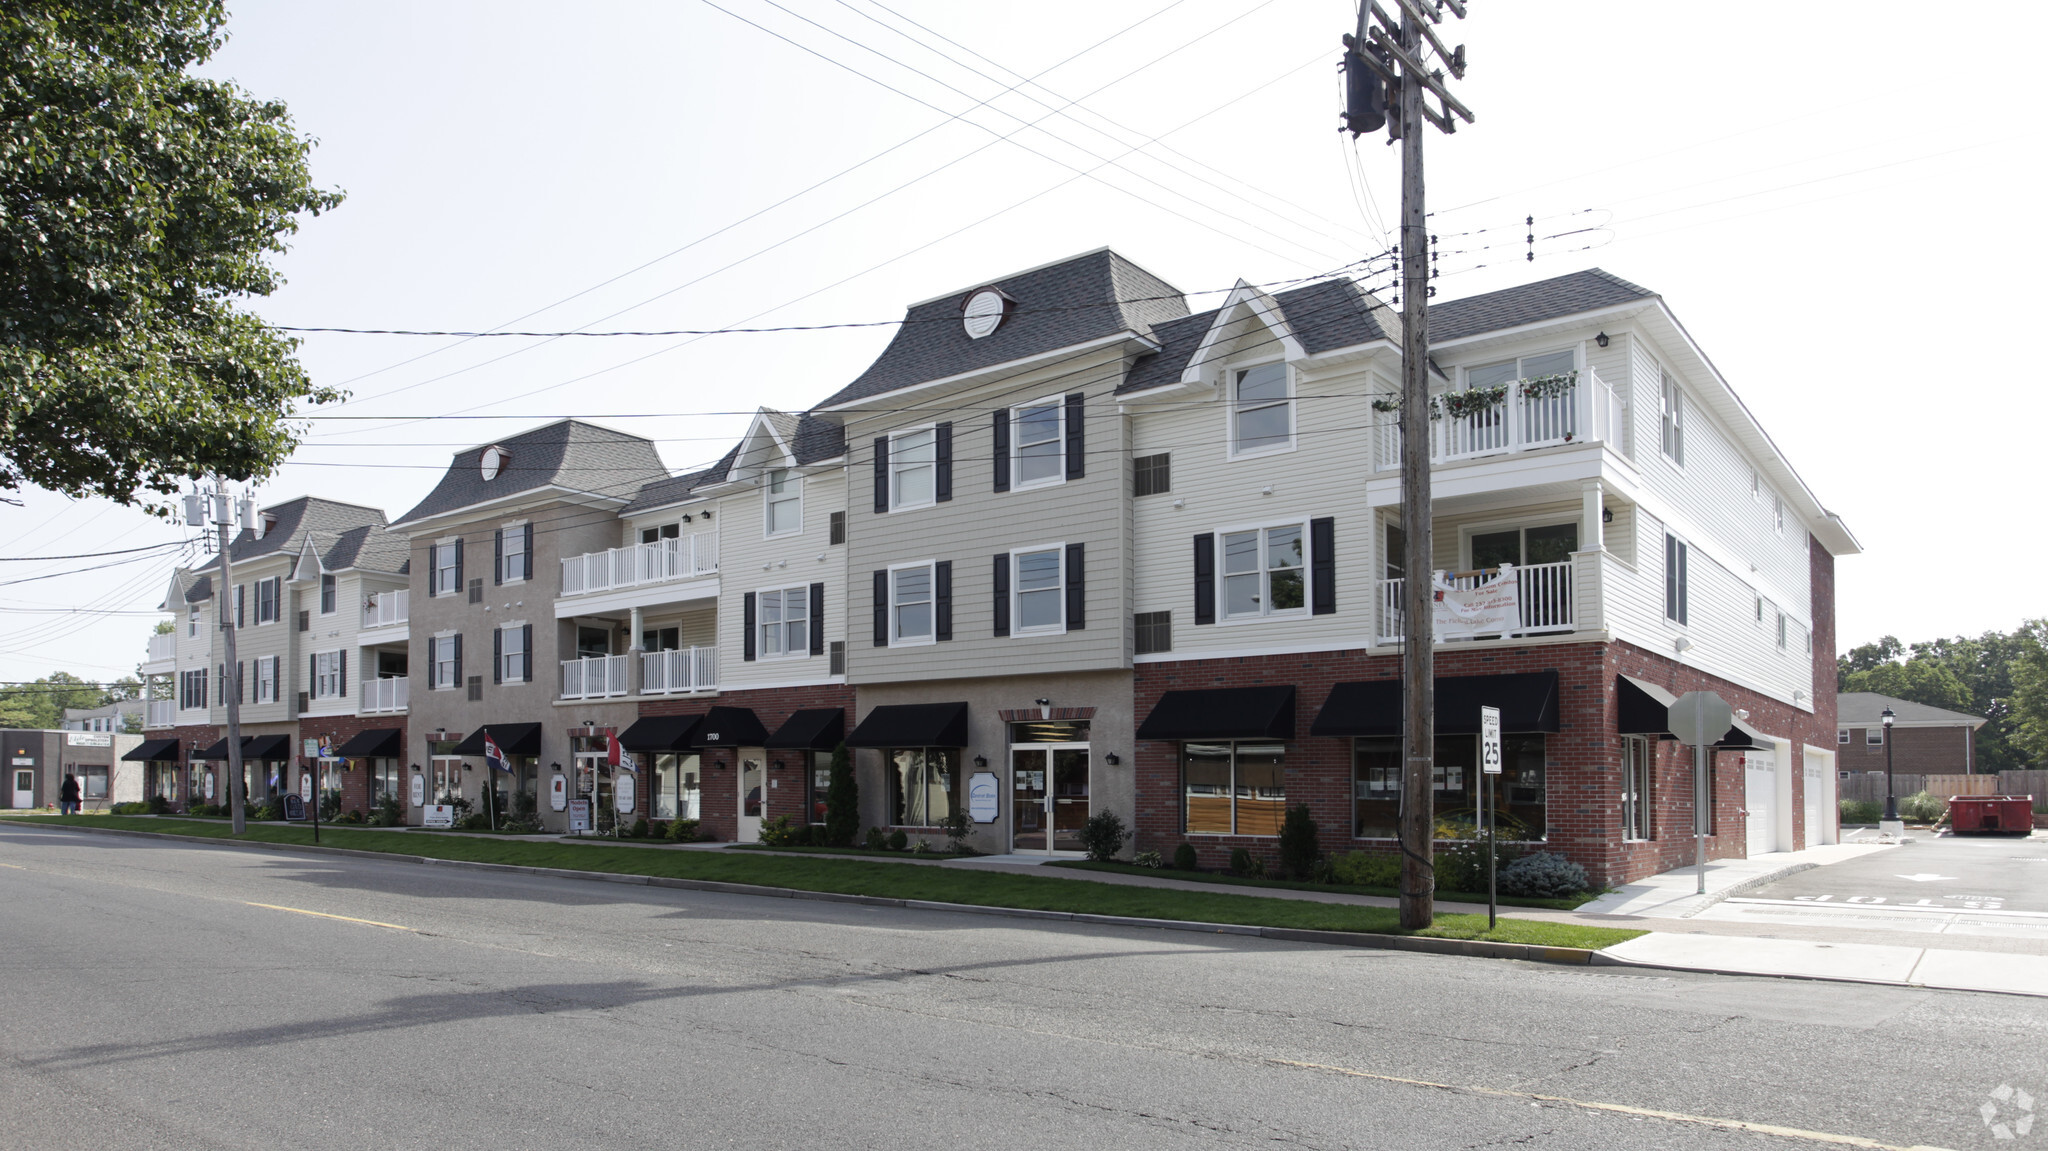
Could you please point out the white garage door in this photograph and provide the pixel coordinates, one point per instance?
(1816, 782)
(1760, 797)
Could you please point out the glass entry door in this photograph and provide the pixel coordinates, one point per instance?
(1048, 797)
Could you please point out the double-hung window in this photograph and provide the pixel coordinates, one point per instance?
(445, 660)
(327, 675)
(446, 581)
(655, 535)
(269, 597)
(1672, 417)
(1873, 736)
(1037, 443)
(1040, 595)
(1778, 512)
(327, 594)
(910, 604)
(1783, 629)
(192, 689)
(517, 565)
(266, 680)
(192, 622)
(1261, 409)
(514, 661)
(785, 503)
(1265, 571)
(1675, 557)
(785, 622)
(913, 469)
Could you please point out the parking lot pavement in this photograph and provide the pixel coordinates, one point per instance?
(1976, 886)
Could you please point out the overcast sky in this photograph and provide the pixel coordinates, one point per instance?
(1825, 210)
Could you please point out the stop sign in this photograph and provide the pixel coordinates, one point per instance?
(1700, 718)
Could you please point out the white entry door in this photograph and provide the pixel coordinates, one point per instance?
(1760, 797)
(751, 799)
(24, 787)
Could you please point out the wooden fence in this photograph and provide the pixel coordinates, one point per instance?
(1868, 786)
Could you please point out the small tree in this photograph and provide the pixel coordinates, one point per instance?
(1103, 836)
(842, 801)
(1299, 848)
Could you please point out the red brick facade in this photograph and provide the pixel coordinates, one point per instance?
(1915, 750)
(719, 801)
(333, 731)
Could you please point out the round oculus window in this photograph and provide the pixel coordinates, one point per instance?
(984, 311)
(493, 459)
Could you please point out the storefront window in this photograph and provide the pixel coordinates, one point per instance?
(675, 786)
(820, 776)
(383, 781)
(1519, 799)
(93, 782)
(1234, 788)
(921, 783)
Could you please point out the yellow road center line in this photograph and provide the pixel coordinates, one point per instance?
(15, 866)
(351, 919)
(1620, 1109)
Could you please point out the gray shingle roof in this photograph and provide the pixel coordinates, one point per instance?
(1864, 708)
(568, 453)
(1090, 296)
(368, 548)
(295, 519)
(199, 590)
(674, 489)
(1531, 303)
(819, 439)
(1327, 315)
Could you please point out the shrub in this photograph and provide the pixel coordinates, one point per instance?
(1184, 857)
(268, 813)
(842, 801)
(921, 847)
(1861, 811)
(1103, 836)
(474, 821)
(129, 809)
(877, 839)
(1246, 864)
(898, 840)
(388, 813)
(639, 830)
(1923, 808)
(959, 826)
(657, 829)
(350, 817)
(1542, 875)
(683, 831)
(1298, 843)
(1461, 867)
(777, 832)
(157, 805)
(1149, 859)
(1361, 870)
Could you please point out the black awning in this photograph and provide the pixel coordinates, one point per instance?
(1742, 737)
(375, 743)
(512, 739)
(730, 727)
(1642, 709)
(1527, 702)
(661, 733)
(254, 748)
(813, 729)
(912, 725)
(158, 749)
(1222, 713)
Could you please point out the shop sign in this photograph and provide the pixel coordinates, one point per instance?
(294, 808)
(558, 791)
(306, 786)
(419, 789)
(440, 815)
(981, 796)
(209, 787)
(1492, 607)
(579, 815)
(89, 739)
(622, 791)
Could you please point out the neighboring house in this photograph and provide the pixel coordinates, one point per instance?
(1067, 548)
(37, 762)
(125, 716)
(1926, 740)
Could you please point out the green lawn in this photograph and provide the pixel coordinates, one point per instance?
(806, 849)
(1572, 904)
(857, 877)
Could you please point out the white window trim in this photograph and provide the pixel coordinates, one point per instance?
(1669, 386)
(796, 478)
(1664, 584)
(1230, 381)
(1059, 476)
(931, 566)
(1490, 527)
(1841, 735)
(1756, 485)
(1784, 632)
(192, 623)
(1223, 619)
(256, 686)
(276, 603)
(1059, 550)
(434, 660)
(434, 563)
(333, 673)
(517, 530)
(895, 465)
(1877, 731)
(1778, 513)
(514, 627)
(761, 651)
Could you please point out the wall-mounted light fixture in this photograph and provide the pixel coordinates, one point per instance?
(718, 765)
(1681, 643)
(778, 765)
(1606, 514)
(1601, 339)
(1111, 759)
(1042, 702)
(981, 761)
(707, 513)
(686, 519)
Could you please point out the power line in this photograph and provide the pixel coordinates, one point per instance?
(93, 555)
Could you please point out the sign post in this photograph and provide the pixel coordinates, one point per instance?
(1489, 770)
(1699, 719)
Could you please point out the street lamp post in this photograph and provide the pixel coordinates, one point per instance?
(1891, 800)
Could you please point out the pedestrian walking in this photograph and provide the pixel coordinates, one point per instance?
(67, 796)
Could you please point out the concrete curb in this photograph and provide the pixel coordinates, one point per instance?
(1470, 948)
(1754, 881)
(1601, 959)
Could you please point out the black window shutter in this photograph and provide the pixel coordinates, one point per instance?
(458, 645)
(1077, 587)
(497, 655)
(1002, 449)
(241, 688)
(747, 619)
(1205, 578)
(526, 651)
(942, 480)
(881, 474)
(458, 563)
(313, 674)
(1077, 442)
(1322, 571)
(882, 608)
(1002, 586)
(238, 605)
(942, 600)
(341, 673)
(817, 619)
(433, 649)
(526, 556)
(498, 556)
(433, 569)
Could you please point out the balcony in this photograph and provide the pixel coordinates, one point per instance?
(664, 561)
(162, 648)
(386, 696)
(1545, 608)
(162, 712)
(387, 609)
(1586, 412)
(595, 677)
(681, 670)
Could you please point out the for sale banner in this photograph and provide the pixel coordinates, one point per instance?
(1489, 607)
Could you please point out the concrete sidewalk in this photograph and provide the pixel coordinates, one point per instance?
(1675, 894)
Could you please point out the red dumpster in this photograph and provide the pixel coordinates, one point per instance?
(1991, 814)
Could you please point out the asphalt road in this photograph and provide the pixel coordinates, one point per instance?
(160, 995)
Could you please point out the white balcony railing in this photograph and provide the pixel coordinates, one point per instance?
(163, 648)
(162, 712)
(594, 677)
(684, 669)
(386, 695)
(1545, 591)
(684, 557)
(387, 608)
(1587, 411)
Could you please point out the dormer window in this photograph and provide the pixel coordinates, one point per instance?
(492, 461)
(1262, 409)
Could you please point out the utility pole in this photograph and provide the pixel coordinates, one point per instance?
(1396, 52)
(197, 509)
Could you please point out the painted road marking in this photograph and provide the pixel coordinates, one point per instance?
(1878, 903)
(324, 915)
(1926, 877)
(1620, 1109)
